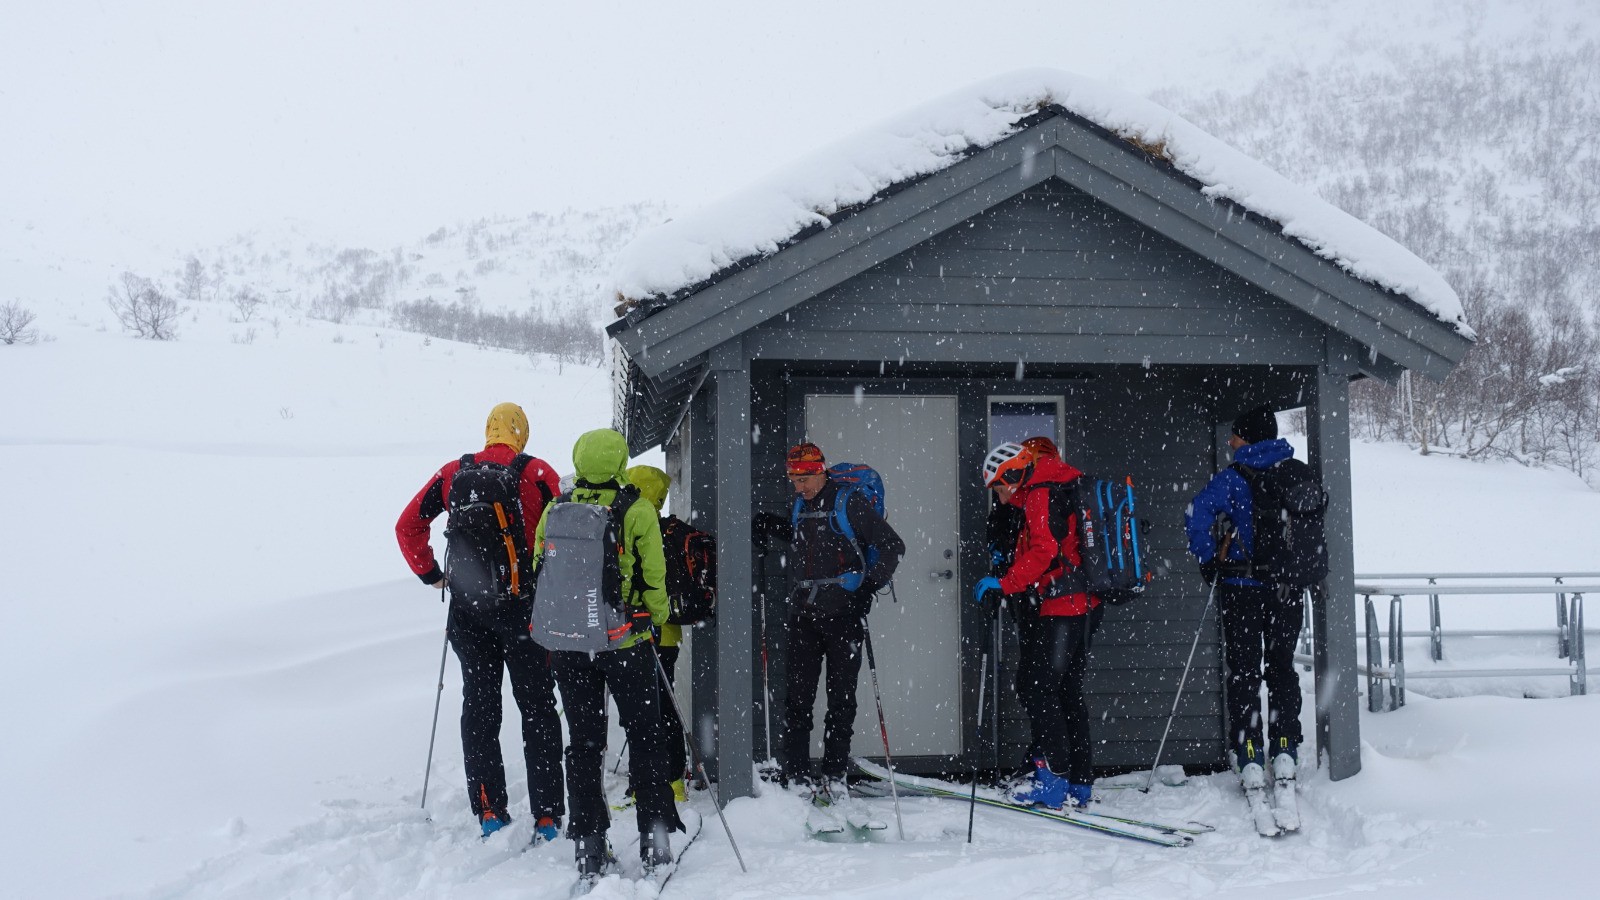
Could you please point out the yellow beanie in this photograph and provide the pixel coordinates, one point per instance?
(508, 424)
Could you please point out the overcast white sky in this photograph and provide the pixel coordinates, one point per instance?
(376, 121)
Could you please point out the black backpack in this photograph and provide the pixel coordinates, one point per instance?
(487, 557)
(1111, 539)
(1288, 506)
(691, 571)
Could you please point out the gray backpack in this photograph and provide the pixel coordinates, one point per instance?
(577, 601)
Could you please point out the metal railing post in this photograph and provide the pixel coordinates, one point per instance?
(1563, 629)
(1436, 631)
(1580, 673)
(1397, 654)
(1374, 660)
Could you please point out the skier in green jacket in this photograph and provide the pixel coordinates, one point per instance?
(629, 671)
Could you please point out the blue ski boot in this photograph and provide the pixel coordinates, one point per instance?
(1078, 795)
(1049, 789)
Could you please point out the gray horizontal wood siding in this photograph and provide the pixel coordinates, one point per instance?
(1048, 275)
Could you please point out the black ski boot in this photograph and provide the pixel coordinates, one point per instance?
(594, 857)
(655, 855)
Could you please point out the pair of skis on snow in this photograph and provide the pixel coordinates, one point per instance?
(630, 867)
(1275, 813)
(1165, 834)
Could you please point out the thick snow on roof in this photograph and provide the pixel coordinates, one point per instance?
(760, 219)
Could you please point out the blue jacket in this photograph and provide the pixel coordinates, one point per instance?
(1228, 494)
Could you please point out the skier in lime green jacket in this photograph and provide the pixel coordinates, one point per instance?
(629, 671)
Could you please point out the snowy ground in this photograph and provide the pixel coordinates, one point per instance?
(219, 674)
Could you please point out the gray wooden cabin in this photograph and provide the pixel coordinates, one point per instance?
(1064, 282)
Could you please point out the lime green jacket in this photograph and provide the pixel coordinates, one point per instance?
(599, 457)
(653, 485)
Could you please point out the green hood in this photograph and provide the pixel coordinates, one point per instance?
(599, 456)
(652, 484)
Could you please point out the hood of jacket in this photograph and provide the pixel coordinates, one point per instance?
(1263, 454)
(1046, 470)
(600, 456)
(508, 425)
(652, 484)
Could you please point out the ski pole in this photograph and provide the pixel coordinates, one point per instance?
(766, 686)
(1150, 782)
(983, 679)
(694, 754)
(883, 725)
(620, 753)
(433, 732)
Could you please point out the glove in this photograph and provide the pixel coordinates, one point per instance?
(987, 592)
(1211, 569)
(861, 602)
(762, 527)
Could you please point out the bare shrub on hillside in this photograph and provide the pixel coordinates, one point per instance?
(246, 302)
(563, 333)
(16, 324)
(193, 283)
(143, 309)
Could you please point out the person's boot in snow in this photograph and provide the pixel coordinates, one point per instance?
(1049, 789)
(654, 853)
(593, 854)
(1285, 762)
(1248, 761)
(1078, 795)
(546, 830)
(490, 823)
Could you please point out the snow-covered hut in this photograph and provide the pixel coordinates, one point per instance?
(1037, 254)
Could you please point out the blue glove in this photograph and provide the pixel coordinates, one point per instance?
(983, 587)
(850, 581)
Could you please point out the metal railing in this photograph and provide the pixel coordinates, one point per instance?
(1569, 630)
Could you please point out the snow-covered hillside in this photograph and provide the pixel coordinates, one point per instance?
(220, 673)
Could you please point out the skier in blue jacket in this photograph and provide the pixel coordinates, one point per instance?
(1255, 614)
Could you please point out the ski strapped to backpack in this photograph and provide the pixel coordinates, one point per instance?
(852, 479)
(1288, 506)
(578, 604)
(1111, 540)
(691, 557)
(485, 536)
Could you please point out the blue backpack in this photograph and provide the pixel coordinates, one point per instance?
(852, 479)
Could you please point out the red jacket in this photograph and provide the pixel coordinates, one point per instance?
(1039, 553)
(413, 528)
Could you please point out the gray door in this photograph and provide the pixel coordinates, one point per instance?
(911, 441)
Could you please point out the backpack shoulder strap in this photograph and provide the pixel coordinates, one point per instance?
(471, 459)
(519, 466)
(841, 513)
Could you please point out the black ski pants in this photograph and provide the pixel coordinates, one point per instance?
(812, 641)
(486, 651)
(677, 755)
(1257, 618)
(672, 735)
(631, 675)
(1053, 661)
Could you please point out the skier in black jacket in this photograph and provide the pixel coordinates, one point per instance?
(833, 589)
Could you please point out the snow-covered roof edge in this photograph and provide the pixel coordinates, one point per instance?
(762, 218)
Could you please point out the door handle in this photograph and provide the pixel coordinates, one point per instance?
(945, 574)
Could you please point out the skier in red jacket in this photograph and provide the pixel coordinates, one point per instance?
(488, 640)
(1054, 641)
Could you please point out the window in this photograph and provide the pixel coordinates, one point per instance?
(1018, 418)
